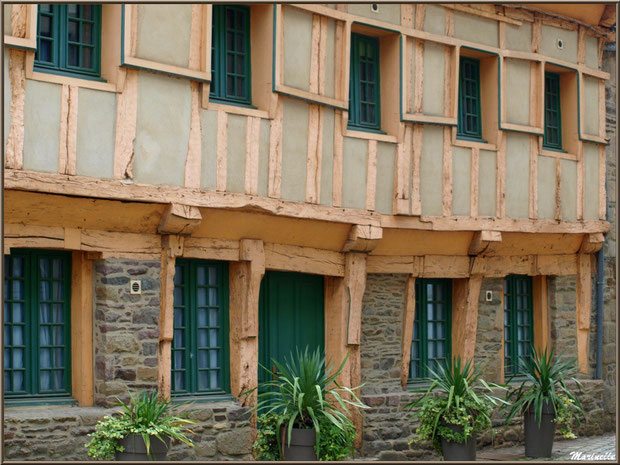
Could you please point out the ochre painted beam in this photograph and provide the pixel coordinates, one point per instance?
(465, 294)
(362, 238)
(407, 331)
(180, 219)
(82, 377)
(584, 309)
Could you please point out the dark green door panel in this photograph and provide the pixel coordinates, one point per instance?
(291, 314)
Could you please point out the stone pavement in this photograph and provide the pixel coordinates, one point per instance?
(587, 448)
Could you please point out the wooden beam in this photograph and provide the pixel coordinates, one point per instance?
(180, 219)
(221, 144)
(15, 141)
(481, 241)
(400, 205)
(474, 185)
(541, 313)
(338, 159)
(405, 264)
(500, 177)
(558, 189)
(602, 184)
(275, 150)
(592, 243)
(362, 238)
(584, 309)
(445, 266)
(252, 145)
(125, 133)
(169, 252)
(407, 331)
(465, 295)
(211, 249)
(82, 363)
(304, 260)
(533, 194)
(193, 158)
(355, 281)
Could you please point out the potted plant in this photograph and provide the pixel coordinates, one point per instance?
(545, 401)
(455, 407)
(301, 407)
(142, 430)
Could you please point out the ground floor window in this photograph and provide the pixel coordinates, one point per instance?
(37, 332)
(518, 321)
(431, 328)
(200, 341)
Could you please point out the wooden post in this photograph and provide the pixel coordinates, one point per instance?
(244, 279)
(465, 294)
(584, 308)
(541, 313)
(407, 332)
(82, 379)
(171, 247)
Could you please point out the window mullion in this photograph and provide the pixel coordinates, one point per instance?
(33, 313)
(192, 331)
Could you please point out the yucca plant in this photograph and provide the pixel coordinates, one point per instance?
(305, 395)
(148, 415)
(457, 395)
(544, 381)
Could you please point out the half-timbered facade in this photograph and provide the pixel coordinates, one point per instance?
(192, 190)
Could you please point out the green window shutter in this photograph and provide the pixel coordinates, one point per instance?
(518, 321)
(552, 138)
(69, 39)
(431, 342)
(364, 88)
(230, 55)
(200, 360)
(469, 123)
(37, 332)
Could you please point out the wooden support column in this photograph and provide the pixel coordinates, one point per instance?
(82, 376)
(584, 308)
(171, 247)
(465, 294)
(244, 279)
(541, 313)
(407, 331)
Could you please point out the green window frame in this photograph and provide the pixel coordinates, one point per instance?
(432, 328)
(364, 88)
(37, 326)
(231, 74)
(469, 122)
(200, 347)
(552, 138)
(518, 321)
(69, 40)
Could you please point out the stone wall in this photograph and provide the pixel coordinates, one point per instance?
(126, 329)
(490, 331)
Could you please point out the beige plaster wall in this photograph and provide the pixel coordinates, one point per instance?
(235, 162)
(546, 188)
(461, 181)
(385, 177)
(434, 75)
(518, 37)
(387, 13)
(355, 154)
(548, 43)
(475, 29)
(434, 19)
(591, 183)
(294, 149)
(568, 189)
(517, 91)
(590, 112)
(487, 165)
(95, 133)
(162, 129)
(591, 52)
(7, 19)
(297, 47)
(164, 33)
(330, 58)
(41, 126)
(263, 158)
(430, 170)
(208, 126)
(327, 156)
(517, 175)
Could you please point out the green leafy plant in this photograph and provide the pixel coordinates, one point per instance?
(305, 394)
(545, 378)
(334, 443)
(457, 395)
(148, 415)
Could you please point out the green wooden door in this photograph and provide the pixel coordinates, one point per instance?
(290, 315)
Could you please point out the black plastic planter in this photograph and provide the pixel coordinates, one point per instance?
(539, 437)
(135, 448)
(301, 446)
(459, 451)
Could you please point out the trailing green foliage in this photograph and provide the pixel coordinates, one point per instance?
(147, 415)
(545, 381)
(334, 443)
(457, 395)
(305, 394)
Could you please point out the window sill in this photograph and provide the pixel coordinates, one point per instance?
(199, 399)
(34, 401)
(363, 133)
(71, 81)
(460, 141)
(235, 109)
(557, 154)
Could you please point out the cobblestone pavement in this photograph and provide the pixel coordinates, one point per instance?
(592, 448)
